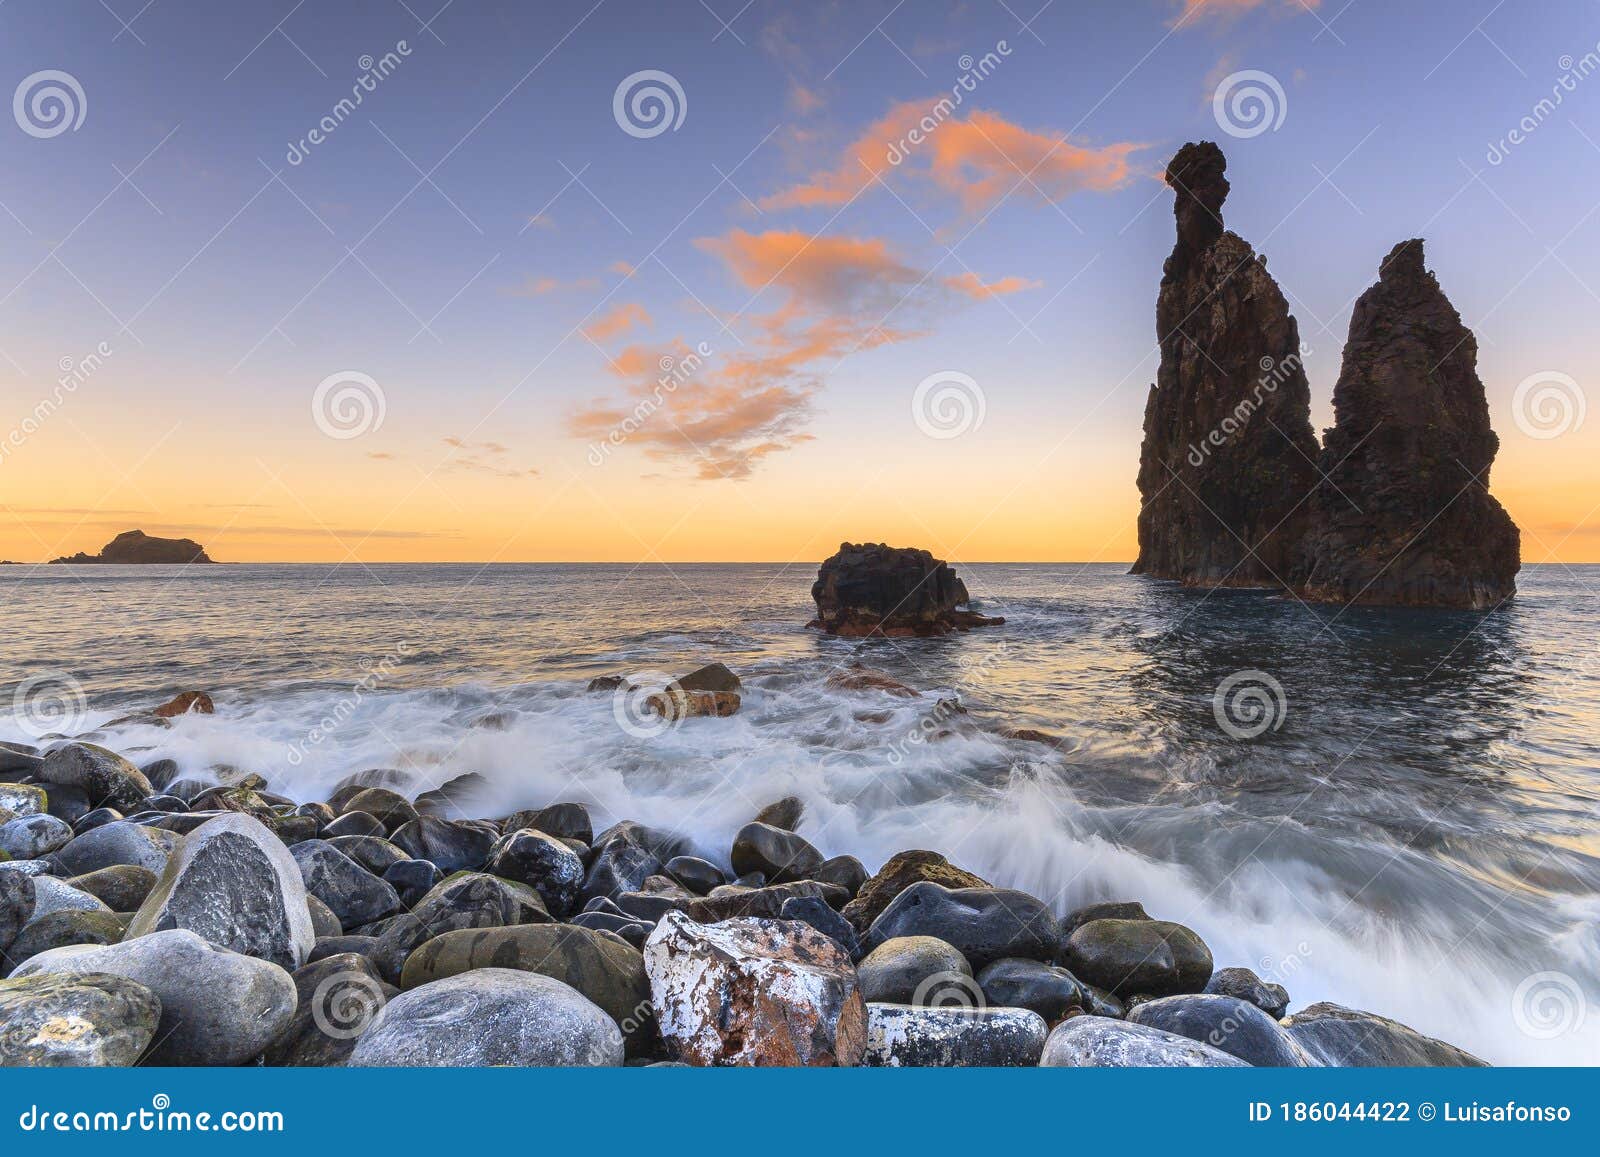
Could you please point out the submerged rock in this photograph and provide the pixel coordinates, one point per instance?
(872, 589)
(216, 1007)
(1336, 1035)
(490, 1016)
(1403, 512)
(675, 703)
(906, 1036)
(232, 882)
(754, 992)
(183, 703)
(1098, 1042)
(75, 1021)
(1228, 456)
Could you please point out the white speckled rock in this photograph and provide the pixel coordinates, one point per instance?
(232, 882)
(25, 799)
(490, 1016)
(217, 1007)
(908, 1036)
(30, 837)
(74, 1021)
(754, 992)
(53, 895)
(1098, 1042)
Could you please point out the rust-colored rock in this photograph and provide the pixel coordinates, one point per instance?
(859, 678)
(676, 703)
(754, 992)
(1228, 462)
(185, 702)
(1404, 515)
(903, 870)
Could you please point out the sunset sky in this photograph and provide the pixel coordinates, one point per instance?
(482, 249)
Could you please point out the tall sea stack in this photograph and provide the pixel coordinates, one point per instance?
(1227, 468)
(1405, 516)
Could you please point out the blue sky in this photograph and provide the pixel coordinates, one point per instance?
(454, 236)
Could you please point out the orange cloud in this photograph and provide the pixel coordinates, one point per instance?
(539, 286)
(804, 100)
(974, 286)
(979, 159)
(616, 322)
(817, 271)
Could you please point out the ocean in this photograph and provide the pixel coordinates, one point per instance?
(1394, 810)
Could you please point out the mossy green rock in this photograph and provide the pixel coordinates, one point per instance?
(1139, 957)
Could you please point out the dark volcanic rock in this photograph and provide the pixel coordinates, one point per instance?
(339, 996)
(780, 855)
(1272, 999)
(137, 546)
(1227, 1023)
(1404, 515)
(1047, 989)
(473, 900)
(1139, 957)
(103, 776)
(541, 861)
(983, 924)
(1341, 1036)
(903, 870)
(454, 846)
(873, 589)
(1228, 458)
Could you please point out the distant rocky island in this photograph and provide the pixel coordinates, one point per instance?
(135, 546)
(870, 589)
(1392, 508)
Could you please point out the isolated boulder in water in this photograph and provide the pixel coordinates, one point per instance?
(1225, 1022)
(1341, 1036)
(1098, 1042)
(216, 1007)
(873, 589)
(675, 703)
(490, 1016)
(711, 677)
(906, 1036)
(233, 883)
(983, 924)
(105, 777)
(74, 1021)
(1403, 512)
(754, 992)
(1139, 957)
(183, 703)
(1228, 454)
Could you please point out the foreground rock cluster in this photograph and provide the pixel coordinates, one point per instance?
(153, 914)
(870, 589)
(1392, 508)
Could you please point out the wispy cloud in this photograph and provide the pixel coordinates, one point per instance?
(975, 287)
(539, 286)
(483, 458)
(1194, 11)
(977, 158)
(617, 321)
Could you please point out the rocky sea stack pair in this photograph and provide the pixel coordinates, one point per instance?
(1392, 508)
